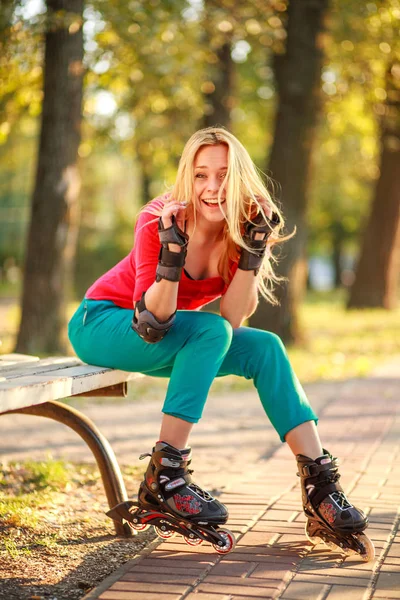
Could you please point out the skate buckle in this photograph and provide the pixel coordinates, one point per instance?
(311, 470)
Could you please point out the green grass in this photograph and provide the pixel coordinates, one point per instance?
(27, 486)
(342, 344)
(27, 490)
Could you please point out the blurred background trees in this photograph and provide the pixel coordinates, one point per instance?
(156, 71)
(54, 216)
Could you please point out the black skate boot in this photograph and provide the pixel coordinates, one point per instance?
(168, 485)
(331, 517)
(169, 500)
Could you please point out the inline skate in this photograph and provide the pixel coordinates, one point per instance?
(170, 501)
(331, 517)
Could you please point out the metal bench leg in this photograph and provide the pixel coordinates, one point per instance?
(110, 472)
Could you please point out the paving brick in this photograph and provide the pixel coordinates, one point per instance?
(377, 534)
(279, 527)
(386, 594)
(294, 537)
(298, 590)
(258, 538)
(174, 568)
(274, 514)
(136, 586)
(178, 578)
(392, 560)
(233, 569)
(201, 596)
(379, 525)
(331, 578)
(383, 515)
(241, 582)
(390, 568)
(155, 561)
(353, 563)
(187, 556)
(277, 550)
(335, 571)
(320, 561)
(394, 550)
(346, 592)
(248, 591)
(119, 595)
(389, 581)
(181, 546)
(275, 571)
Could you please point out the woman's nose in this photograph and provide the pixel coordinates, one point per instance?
(213, 184)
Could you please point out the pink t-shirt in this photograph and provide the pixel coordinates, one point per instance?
(125, 283)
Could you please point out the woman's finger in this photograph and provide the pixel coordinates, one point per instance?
(173, 208)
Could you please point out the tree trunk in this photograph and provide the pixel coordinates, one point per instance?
(145, 172)
(297, 75)
(219, 102)
(377, 273)
(54, 215)
(338, 238)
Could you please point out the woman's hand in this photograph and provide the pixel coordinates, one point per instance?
(256, 233)
(177, 210)
(268, 213)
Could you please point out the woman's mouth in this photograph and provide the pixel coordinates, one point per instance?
(213, 202)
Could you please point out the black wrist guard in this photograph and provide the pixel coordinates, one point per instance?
(252, 261)
(170, 264)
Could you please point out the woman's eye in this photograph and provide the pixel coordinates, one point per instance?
(200, 175)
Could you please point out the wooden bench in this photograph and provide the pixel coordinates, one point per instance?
(32, 386)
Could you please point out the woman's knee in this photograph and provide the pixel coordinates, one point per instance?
(275, 342)
(215, 329)
(263, 350)
(260, 341)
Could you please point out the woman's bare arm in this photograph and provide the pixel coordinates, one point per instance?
(241, 298)
(161, 299)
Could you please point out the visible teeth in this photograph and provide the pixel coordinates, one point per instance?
(212, 201)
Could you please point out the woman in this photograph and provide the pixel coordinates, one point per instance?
(209, 238)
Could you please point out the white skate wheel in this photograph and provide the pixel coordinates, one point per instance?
(230, 541)
(138, 526)
(194, 541)
(368, 545)
(165, 534)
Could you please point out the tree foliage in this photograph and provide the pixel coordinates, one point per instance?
(152, 69)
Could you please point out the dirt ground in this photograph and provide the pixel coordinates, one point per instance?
(69, 548)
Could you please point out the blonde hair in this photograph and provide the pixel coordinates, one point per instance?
(246, 196)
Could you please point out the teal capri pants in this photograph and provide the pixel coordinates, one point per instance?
(199, 347)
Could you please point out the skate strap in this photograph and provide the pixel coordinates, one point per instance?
(313, 469)
(175, 483)
(142, 456)
(322, 493)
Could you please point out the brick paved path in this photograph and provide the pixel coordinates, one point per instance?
(272, 558)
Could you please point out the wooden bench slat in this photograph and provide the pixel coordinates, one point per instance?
(13, 358)
(45, 365)
(75, 370)
(35, 389)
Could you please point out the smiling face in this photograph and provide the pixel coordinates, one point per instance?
(210, 167)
